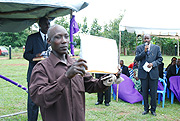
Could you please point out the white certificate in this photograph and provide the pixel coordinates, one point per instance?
(100, 53)
(146, 68)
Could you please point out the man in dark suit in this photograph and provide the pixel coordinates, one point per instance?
(149, 74)
(36, 43)
(173, 70)
(124, 68)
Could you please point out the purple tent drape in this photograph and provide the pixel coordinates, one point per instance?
(127, 92)
(13, 82)
(73, 29)
(175, 86)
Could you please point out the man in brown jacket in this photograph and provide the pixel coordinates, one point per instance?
(58, 83)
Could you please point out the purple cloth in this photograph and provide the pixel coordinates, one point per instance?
(73, 29)
(175, 86)
(126, 91)
(160, 86)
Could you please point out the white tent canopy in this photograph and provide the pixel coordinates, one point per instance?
(17, 15)
(160, 18)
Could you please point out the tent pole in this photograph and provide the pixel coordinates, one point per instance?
(178, 46)
(119, 47)
(136, 41)
(118, 63)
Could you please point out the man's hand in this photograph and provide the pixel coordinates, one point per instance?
(119, 73)
(108, 79)
(146, 48)
(77, 67)
(149, 65)
(38, 55)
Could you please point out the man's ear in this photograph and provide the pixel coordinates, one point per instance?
(49, 41)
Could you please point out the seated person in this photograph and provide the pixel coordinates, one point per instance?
(173, 71)
(131, 65)
(173, 62)
(135, 79)
(160, 68)
(124, 68)
(135, 64)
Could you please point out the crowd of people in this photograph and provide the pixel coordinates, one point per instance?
(58, 84)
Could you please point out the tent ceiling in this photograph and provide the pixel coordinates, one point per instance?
(156, 18)
(17, 15)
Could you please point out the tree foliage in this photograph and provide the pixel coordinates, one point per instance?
(84, 27)
(109, 30)
(17, 39)
(95, 28)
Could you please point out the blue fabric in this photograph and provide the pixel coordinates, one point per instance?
(177, 69)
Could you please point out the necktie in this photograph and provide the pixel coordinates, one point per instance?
(45, 41)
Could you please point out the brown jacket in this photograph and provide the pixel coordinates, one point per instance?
(60, 98)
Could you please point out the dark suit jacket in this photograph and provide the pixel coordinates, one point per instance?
(125, 70)
(34, 45)
(160, 68)
(171, 72)
(153, 57)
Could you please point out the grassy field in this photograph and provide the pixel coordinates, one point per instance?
(13, 99)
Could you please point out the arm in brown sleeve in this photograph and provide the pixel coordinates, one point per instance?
(41, 91)
(93, 85)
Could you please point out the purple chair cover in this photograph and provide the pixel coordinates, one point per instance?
(160, 86)
(175, 86)
(126, 91)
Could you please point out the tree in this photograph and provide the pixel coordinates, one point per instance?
(17, 39)
(63, 22)
(111, 30)
(95, 28)
(84, 27)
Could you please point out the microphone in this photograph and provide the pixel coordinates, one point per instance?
(146, 43)
(148, 47)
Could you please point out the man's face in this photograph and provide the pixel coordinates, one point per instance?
(174, 61)
(178, 62)
(44, 25)
(121, 63)
(147, 39)
(60, 40)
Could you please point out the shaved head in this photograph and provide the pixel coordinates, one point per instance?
(53, 31)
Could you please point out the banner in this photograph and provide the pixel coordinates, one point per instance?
(100, 53)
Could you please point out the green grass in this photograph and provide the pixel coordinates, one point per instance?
(14, 99)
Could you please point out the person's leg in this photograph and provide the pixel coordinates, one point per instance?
(100, 97)
(145, 91)
(32, 109)
(153, 84)
(107, 96)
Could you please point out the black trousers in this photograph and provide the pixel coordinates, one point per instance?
(32, 109)
(107, 94)
(147, 84)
